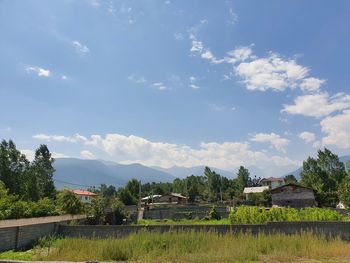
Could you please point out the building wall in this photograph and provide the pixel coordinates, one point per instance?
(299, 197)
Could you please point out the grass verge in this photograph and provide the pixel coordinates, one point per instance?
(194, 247)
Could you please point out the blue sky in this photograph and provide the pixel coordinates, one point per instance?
(164, 82)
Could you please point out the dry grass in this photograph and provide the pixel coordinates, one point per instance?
(201, 247)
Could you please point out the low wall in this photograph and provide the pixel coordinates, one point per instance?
(22, 233)
(341, 229)
(182, 211)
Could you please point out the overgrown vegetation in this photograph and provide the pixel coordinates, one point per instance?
(197, 247)
(258, 215)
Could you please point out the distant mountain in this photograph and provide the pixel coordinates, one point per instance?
(75, 173)
(182, 172)
(297, 172)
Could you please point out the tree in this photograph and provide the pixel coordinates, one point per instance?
(214, 184)
(344, 191)
(43, 171)
(126, 197)
(290, 179)
(243, 176)
(324, 175)
(253, 182)
(118, 211)
(13, 165)
(97, 210)
(133, 186)
(69, 203)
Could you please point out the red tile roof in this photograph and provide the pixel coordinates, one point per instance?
(83, 192)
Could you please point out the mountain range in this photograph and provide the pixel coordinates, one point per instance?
(82, 173)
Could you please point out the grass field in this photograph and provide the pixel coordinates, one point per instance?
(194, 247)
(224, 221)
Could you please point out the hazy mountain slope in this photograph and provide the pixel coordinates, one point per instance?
(96, 172)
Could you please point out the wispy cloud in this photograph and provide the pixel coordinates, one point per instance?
(80, 48)
(137, 80)
(41, 72)
(193, 82)
(87, 154)
(160, 86)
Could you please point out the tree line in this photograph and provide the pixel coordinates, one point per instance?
(27, 187)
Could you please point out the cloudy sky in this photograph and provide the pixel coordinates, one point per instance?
(185, 82)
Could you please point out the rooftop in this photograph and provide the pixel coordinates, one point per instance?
(83, 192)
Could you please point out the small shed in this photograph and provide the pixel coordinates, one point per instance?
(172, 198)
(293, 195)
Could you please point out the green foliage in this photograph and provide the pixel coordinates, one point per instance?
(68, 203)
(324, 175)
(213, 213)
(97, 210)
(344, 191)
(118, 211)
(243, 176)
(258, 215)
(290, 179)
(190, 246)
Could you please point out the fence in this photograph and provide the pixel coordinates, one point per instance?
(22, 233)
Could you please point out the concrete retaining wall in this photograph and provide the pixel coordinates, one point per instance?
(22, 233)
(341, 229)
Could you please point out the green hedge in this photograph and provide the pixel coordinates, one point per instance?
(256, 215)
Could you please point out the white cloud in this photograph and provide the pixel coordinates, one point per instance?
(311, 84)
(137, 80)
(40, 71)
(64, 77)
(239, 54)
(307, 136)
(178, 36)
(95, 3)
(80, 48)
(160, 86)
(337, 129)
(193, 86)
(30, 154)
(87, 154)
(226, 155)
(275, 140)
(193, 81)
(60, 138)
(271, 72)
(59, 155)
(318, 105)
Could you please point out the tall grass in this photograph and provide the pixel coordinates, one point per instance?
(194, 221)
(201, 247)
(256, 215)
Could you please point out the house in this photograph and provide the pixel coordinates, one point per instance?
(84, 195)
(293, 195)
(248, 191)
(272, 182)
(172, 198)
(150, 199)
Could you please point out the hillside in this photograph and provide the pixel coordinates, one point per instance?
(74, 173)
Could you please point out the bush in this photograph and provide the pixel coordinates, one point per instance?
(256, 215)
(214, 214)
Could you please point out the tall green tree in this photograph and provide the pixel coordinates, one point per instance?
(242, 179)
(214, 184)
(13, 165)
(324, 175)
(42, 167)
(69, 203)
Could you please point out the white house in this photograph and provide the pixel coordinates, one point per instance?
(84, 195)
(272, 182)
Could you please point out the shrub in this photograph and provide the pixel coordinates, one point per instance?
(256, 215)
